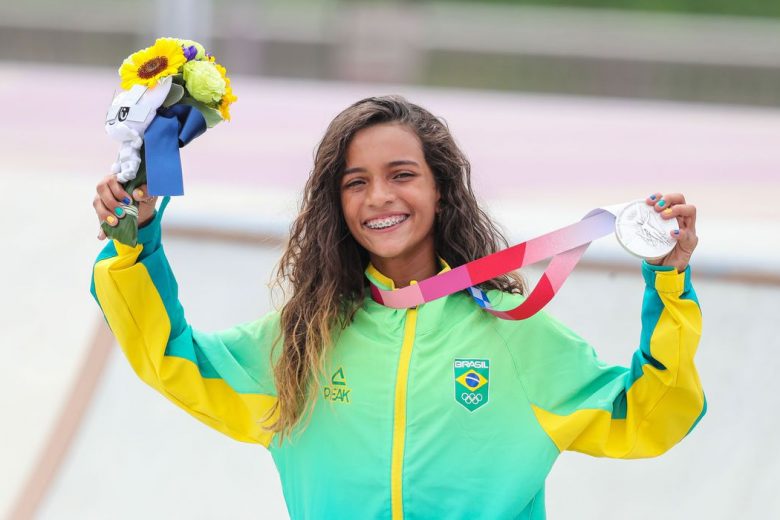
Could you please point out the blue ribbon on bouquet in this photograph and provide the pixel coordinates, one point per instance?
(172, 128)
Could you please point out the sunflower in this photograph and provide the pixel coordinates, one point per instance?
(228, 97)
(146, 66)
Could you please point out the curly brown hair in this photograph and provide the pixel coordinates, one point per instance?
(323, 266)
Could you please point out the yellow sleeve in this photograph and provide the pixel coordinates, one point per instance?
(224, 379)
(587, 406)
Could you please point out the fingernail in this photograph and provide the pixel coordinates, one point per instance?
(661, 203)
(676, 231)
(111, 219)
(126, 200)
(652, 197)
(667, 211)
(138, 194)
(119, 211)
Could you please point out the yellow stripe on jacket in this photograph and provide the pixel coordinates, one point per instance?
(661, 404)
(137, 316)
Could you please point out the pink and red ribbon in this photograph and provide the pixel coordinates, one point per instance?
(565, 245)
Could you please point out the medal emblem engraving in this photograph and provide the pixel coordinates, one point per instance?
(642, 231)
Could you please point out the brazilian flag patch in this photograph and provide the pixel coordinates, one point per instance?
(472, 378)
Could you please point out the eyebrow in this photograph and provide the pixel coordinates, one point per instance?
(391, 164)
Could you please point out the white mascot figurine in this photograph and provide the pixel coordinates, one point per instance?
(130, 114)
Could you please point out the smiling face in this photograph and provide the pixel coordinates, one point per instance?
(389, 199)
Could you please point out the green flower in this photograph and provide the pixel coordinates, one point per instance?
(204, 82)
(201, 51)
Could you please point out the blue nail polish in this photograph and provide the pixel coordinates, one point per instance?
(661, 203)
(676, 231)
(652, 197)
(126, 200)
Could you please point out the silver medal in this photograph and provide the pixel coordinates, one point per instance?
(642, 231)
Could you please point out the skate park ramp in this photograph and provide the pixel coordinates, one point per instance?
(84, 438)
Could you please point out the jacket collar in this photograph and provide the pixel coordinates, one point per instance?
(429, 314)
(387, 284)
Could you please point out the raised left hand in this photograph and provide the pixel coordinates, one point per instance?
(672, 205)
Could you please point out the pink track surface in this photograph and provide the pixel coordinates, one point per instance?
(515, 142)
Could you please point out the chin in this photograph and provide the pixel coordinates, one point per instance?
(386, 253)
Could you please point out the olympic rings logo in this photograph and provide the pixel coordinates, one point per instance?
(471, 398)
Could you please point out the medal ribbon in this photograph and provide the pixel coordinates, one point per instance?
(565, 245)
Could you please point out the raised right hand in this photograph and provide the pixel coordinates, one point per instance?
(111, 195)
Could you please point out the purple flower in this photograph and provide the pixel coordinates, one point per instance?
(190, 52)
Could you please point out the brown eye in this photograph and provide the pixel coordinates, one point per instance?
(354, 183)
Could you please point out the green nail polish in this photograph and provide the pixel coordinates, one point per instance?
(662, 203)
(119, 211)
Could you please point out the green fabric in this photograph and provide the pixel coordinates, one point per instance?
(488, 461)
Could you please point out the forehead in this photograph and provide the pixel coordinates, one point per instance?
(383, 143)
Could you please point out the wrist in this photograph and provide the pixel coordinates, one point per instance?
(680, 266)
(149, 232)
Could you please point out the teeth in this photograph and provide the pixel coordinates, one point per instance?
(382, 223)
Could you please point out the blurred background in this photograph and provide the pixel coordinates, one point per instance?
(562, 106)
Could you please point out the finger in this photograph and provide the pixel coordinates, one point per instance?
(686, 240)
(119, 192)
(116, 207)
(104, 214)
(685, 214)
(668, 200)
(101, 234)
(680, 210)
(653, 198)
(109, 201)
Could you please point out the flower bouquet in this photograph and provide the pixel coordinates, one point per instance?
(171, 93)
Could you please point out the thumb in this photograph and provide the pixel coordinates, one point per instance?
(686, 243)
(686, 239)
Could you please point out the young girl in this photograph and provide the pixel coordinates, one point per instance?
(439, 411)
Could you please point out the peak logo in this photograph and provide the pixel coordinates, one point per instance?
(337, 391)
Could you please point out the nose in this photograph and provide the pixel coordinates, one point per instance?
(380, 193)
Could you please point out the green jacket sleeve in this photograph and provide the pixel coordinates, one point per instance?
(223, 378)
(588, 406)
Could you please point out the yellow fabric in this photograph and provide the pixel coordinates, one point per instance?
(137, 316)
(379, 277)
(374, 273)
(653, 400)
(399, 415)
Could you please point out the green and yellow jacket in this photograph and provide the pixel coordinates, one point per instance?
(420, 407)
